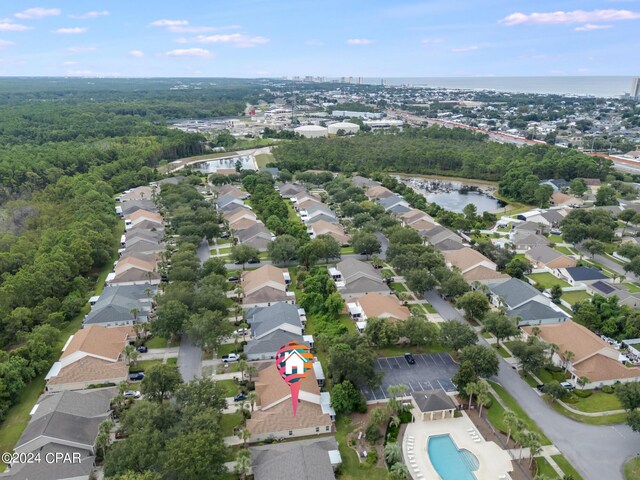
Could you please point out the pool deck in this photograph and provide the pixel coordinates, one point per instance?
(495, 463)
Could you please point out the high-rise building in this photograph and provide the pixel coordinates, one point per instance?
(635, 87)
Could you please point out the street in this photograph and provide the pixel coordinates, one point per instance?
(610, 264)
(204, 250)
(597, 452)
(189, 359)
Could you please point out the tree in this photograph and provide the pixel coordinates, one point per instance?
(483, 394)
(394, 391)
(556, 293)
(171, 316)
(594, 247)
(199, 395)
(353, 362)
(244, 434)
(567, 356)
(325, 247)
(531, 354)
(365, 243)
(511, 421)
(252, 398)
(207, 329)
(457, 335)
(378, 416)
(582, 381)
(484, 359)
(419, 331)
(629, 395)
(392, 453)
(103, 440)
(241, 254)
(465, 375)
(474, 304)
(534, 444)
(633, 420)
(399, 471)
(420, 281)
(196, 453)
(243, 465)
(471, 389)
(518, 267)
(500, 326)
(606, 196)
(283, 249)
(381, 332)
(160, 381)
(578, 187)
(454, 285)
(554, 390)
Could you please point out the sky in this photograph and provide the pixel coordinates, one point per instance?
(274, 38)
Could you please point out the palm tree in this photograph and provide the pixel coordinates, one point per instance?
(251, 371)
(553, 348)
(378, 416)
(511, 421)
(568, 355)
(244, 435)
(242, 366)
(582, 381)
(483, 399)
(103, 439)
(394, 391)
(134, 313)
(400, 470)
(534, 446)
(471, 389)
(252, 398)
(137, 328)
(392, 453)
(394, 421)
(243, 465)
(536, 331)
(148, 292)
(237, 310)
(403, 297)
(128, 351)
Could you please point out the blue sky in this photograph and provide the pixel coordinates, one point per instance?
(370, 38)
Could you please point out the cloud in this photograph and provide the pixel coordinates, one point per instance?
(38, 12)
(89, 15)
(590, 26)
(136, 53)
(169, 23)
(469, 48)
(189, 52)
(236, 39)
(359, 41)
(8, 26)
(70, 30)
(574, 16)
(314, 42)
(81, 49)
(430, 41)
(70, 63)
(6, 43)
(195, 29)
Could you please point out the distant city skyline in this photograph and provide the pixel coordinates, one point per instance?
(360, 38)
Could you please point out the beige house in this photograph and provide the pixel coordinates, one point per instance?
(372, 305)
(543, 256)
(94, 355)
(466, 259)
(414, 215)
(144, 215)
(334, 230)
(592, 357)
(266, 286)
(378, 192)
(432, 405)
(273, 417)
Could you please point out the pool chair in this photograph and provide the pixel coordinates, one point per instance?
(470, 429)
(415, 468)
(419, 475)
(477, 440)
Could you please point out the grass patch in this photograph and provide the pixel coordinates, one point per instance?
(156, 342)
(567, 468)
(633, 287)
(632, 469)
(543, 467)
(398, 287)
(597, 402)
(263, 159)
(399, 350)
(144, 365)
(348, 250)
(547, 280)
(228, 348)
(230, 387)
(224, 250)
(599, 266)
(172, 361)
(600, 420)
(513, 405)
(503, 353)
(556, 239)
(429, 308)
(229, 422)
(575, 297)
(350, 468)
(565, 250)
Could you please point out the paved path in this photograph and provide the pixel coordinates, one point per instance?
(189, 360)
(384, 244)
(597, 452)
(160, 354)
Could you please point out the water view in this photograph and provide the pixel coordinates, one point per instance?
(247, 162)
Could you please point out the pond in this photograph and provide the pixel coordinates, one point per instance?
(212, 166)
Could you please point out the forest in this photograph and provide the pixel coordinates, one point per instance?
(444, 151)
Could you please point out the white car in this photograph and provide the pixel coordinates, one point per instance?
(232, 357)
(132, 394)
(241, 331)
(568, 385)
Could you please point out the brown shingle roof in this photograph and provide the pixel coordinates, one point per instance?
(571, 336)
(255, 279)
(465, 258)
(481, 273)
(322, 227)
(146, 215)
(242, 224)
(101, 341)
(90, 369)
(270, 387)
(280, 418)
(377, 305)
(601, 368)
(131, 261)
(379, 192)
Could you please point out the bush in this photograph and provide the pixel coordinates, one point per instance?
(372, 458)
(372, 434)
(583, 393)
(607, 389)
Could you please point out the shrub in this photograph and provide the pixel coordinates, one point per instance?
(583, 393)
(607, 389)
(372, 458)
(372, 434)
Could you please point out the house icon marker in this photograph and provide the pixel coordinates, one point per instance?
(294, 363)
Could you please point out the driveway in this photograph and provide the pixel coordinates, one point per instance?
(384, 244)
(189, 360)
(430, 372)
(597, 452)
(204, 251)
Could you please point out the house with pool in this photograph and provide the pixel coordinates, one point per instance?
(437, 444)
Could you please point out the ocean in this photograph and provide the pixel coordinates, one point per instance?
(582, 85)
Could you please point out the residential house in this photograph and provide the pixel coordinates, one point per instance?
(376, 305)
(231, 190)
(272, 327)
(549, 219)
(355, 278)
(592, 358)
(133, 270)
(582, 275)
(594, 184)
(313, 459)
(525, 303)
(93, 356)
(543, 256)
(132, 206)
(378, 192)
(363, 182)
(304, 196)
(266, 286)
(423, 225)
(523, 240)
(273, 416)
(414, 215)
(142, 246)
(560, 199)
(288, 190)
(308, 203)
(607, 289)
(466, 259)
(238, 213)
(439, 234)
(122, 305)
(432, 405)
(257, 236)
(395, 204)
(316, 213)
(226, 200)
(139, 193)
(142, 215)
(334, 230)
(243, 224)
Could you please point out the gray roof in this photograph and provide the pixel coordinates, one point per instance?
(451, 243)
(289, 189)
(117, 301)
(232, 207)
(54, 470)
(533, 310)
(134, 236)
(266, 295)
(321, 207)
(364, 285)
(359, 181)
(552, 216)
(585, 274)
(270, 344)
(322, 216)
(527, 238)
(437, 234)
(84, 403)
(227, 199)
(304, 459)
(544, 254)
(255, 230)
(135, 205)
(268, 318)
(514, 292)
(433, 401)
(275, 172)
(352, 268)
(391, 200)
(400, 208)
(604, 288)
(528, 226)
(146, 226)
(172, 180)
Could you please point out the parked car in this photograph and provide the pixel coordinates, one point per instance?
(132, 394)
(239, 397)
(136, 377)
(232, 357)
(540, 387)
(233, 279)
(142, 349)
(409, 358)
(568, 385)
(241, 331)
(254, 260)
(225, 235)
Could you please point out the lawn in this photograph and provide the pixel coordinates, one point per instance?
(228, 348)
(633, 287)
(555, 239)
(601, 420)
(632, 469)
(346, 250)
(143, 365)
(597, 402)
(229, 422)
(399, 350)
(224, 250)
(565, 250)
(567, 468)
(547, 280)
(513, 405)
(575, 297)
(398, 287)
(543, 467)
(429, 308)
(503, 353)
(350, 468)
(263, 159)
(156, 342)
(230, 387)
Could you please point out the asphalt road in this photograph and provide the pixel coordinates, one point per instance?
(189, 359)
(253, 266)
(384, 244)
(610, 264)
(204, 251)
(597, 452)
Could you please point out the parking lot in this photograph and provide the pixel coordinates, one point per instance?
(431, 371)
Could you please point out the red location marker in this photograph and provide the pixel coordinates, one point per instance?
(294, 362)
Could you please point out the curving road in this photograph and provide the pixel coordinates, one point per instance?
(597, 452)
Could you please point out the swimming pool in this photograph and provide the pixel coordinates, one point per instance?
(450, 462)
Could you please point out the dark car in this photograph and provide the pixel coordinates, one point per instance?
(142, 349)
(409, 358)
(233, 279)
(135, 377)
(225, 235)
(254, 260)
(239, 397)
(540, 387)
